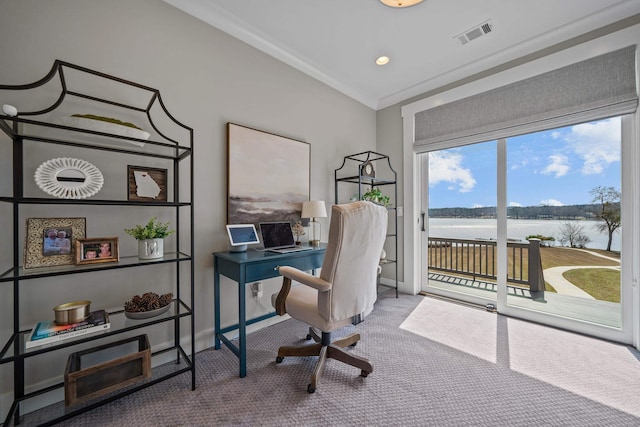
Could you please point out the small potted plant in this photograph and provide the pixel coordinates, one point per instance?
(150, 238)
(375, 195)
(298, 230)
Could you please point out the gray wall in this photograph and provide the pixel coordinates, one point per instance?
(206, 78)
(389, 142)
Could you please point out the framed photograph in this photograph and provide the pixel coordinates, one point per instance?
(97, 249)
(50, 241)
(268, 176)
(146, 184)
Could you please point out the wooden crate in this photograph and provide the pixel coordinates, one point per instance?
(97, 371)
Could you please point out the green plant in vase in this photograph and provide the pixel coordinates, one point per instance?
(375, 195)
(152, 230)
(150, 238)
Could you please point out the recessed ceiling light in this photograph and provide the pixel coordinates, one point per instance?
(400, 3)
(382, 60)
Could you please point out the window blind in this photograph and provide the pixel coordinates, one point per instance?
(597, 88)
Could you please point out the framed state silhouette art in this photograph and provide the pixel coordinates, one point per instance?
(146, 184)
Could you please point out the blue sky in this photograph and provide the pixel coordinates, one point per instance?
(556, 167)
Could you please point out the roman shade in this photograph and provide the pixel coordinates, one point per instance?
(597, 88)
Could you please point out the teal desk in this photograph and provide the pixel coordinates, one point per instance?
(249, 267)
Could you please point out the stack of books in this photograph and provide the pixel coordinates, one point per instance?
(48, 331)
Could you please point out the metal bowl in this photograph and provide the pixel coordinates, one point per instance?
(72, 312)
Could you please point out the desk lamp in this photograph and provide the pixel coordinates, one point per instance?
(314, 209)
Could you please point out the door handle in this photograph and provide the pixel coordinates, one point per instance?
(422, 219)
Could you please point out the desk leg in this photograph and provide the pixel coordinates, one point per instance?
(216, 303)
(242, 324)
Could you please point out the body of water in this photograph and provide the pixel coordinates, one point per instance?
(518, 229)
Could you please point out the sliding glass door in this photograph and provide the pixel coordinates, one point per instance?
(531, 225)
(564, 200)
(459, 206)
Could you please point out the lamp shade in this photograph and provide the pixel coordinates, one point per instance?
(314, 209)
(400, 3)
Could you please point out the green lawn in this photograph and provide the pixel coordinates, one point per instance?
(554, 257)
(601, 283)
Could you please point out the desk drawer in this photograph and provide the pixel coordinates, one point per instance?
(267, 269)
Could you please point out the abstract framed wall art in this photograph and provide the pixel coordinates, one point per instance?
(268, 176)
(50, 241)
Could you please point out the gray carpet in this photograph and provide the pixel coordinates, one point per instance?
(417, 380)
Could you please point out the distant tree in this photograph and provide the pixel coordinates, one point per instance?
(608, 211)
(582, 240)
(572, 233)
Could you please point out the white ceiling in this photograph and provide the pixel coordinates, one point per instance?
(337, 41)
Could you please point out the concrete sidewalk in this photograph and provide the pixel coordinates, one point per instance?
(562, 286)
(554, 276)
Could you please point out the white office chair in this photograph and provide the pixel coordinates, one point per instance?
(345, 291)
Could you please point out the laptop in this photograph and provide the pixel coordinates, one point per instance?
(278, 237)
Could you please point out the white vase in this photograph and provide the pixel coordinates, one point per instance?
(150, 248)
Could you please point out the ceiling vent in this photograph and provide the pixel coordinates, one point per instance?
(475, 32)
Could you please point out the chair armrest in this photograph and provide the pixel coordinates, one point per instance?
(289, 274)
(305, 278)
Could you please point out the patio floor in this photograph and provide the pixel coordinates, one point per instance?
(594, 311)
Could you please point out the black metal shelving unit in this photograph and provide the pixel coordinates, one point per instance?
(352, 171)
(38, 126)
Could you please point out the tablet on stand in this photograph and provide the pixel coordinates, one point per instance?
(241, 235)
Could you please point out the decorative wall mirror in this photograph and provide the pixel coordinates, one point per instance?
(69, 178)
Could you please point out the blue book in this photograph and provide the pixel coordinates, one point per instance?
(48, 331)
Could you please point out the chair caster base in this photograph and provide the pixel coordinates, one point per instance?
(336, 350)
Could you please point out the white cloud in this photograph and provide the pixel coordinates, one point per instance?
(521, 164)
(558, 165)
(597, 144)
(556, 135)
(477, 205)
(445, 166)
(551, 202)
(515, 204)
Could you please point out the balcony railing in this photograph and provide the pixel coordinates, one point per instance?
(477, 258)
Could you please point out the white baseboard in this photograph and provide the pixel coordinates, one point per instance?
(392, 284)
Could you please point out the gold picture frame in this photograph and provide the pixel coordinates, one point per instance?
(96, 250)
(42, 249)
